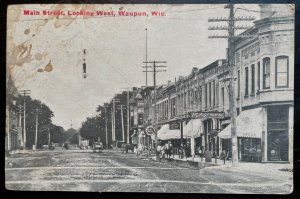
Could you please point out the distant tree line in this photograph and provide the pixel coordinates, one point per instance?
(94, 127)
(45, 125)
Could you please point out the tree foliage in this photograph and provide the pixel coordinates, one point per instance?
(94, 127)
(45, 125)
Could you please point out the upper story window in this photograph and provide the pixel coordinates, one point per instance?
(246, 81)
(282, 71)
(214, 93)
(258, 75)
(209, 94)
(239, 82)
(223, 96)
(252, 79)
(266, 72)
(205, 95)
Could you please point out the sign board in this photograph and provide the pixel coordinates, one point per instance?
(174, 125)
(205, 115)
(149, 130)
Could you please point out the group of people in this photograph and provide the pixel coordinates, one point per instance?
(164, 150)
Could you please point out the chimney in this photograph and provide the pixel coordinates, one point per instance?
(169, 82)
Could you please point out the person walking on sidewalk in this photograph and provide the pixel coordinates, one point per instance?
(158, 151)
(223, 156)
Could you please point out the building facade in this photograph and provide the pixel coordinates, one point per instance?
(13, 129)
(264, 87)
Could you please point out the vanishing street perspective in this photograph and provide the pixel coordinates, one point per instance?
(150, 98)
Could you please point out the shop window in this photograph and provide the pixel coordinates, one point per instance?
(282, 71)
(250, 149)
(277, 138)
(266, 72)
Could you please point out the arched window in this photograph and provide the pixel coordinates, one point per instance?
(266, 73)
(282, 71)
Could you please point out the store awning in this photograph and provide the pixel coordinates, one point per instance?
(193, 128)
(248, 124)
(164, 133)
(170, 134)
(162, 129)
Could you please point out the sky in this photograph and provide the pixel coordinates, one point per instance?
(116, 49)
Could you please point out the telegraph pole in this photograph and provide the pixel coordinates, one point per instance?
(36, 127)
(128, 114)
(122, 119)
(49, 138)
(146, 59)
(154, 71)
(114, 120)
(24, 93)
(106, 135)
(231, 65)
(20, 124)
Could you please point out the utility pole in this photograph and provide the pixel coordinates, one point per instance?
(128, 114)
(36, 127)
(146, 59)
(24, 93)
(20, 124)
(84, 64)
(231, 65)
(123, 133)
(154, 71)
(106, 135)
(49, 138)
(114, 120)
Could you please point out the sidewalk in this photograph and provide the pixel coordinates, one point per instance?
(274, 168)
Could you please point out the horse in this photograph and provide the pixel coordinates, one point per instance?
(169, 150)
(129, 147)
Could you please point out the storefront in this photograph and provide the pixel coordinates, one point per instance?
(278, 133)
(250, 149)
(249, 127)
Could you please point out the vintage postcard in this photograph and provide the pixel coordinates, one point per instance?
(185, 98)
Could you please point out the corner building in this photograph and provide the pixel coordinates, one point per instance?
(264, 88)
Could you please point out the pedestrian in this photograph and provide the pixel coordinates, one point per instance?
(158, 151)
(223, 156)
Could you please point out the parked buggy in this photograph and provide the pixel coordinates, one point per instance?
(97, 146)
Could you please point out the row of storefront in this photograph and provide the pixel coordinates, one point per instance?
(264, 89)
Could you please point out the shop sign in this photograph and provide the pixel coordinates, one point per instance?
(205, 115)
(149, 130)
(174, 126)
(225, 122)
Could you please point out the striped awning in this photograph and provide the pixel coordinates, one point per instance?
(193, 128)
(248, 124)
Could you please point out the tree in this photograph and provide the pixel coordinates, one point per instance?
(44, 123)
(70, 133)
(75, 139)
(90, 128)
(57, 134)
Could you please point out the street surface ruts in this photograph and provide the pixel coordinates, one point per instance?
(111, 171)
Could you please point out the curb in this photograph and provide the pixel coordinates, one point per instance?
(188, 163)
